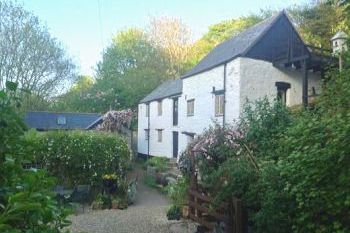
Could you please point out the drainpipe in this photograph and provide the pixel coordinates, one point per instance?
(224, 107)
(149, 130)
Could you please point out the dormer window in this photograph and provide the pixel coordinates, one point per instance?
(61, 120)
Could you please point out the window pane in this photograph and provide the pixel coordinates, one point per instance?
(146, 134)
(160, 136)
(219, 105)
(147, 110)
(160, 110)
(190, 107)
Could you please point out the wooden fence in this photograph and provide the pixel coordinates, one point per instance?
(228, 214)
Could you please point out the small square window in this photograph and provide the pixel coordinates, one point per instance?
(61, 120)
(219, 105)
(160, 135)
(190, 107)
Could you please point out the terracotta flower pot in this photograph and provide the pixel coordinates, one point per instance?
(185, 211)
(115, 205)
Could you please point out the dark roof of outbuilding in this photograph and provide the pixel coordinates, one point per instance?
(164, 90)
(236, 46)
(49, 120)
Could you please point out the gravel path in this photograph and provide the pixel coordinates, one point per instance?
(146, 215)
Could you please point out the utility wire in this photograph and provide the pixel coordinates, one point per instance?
(100, 22)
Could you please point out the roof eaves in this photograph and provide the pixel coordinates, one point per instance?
(157, 99)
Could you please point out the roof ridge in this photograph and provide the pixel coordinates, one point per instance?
(86, 113)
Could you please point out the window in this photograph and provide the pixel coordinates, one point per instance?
(147, 110)
(219, 105)
(160, 110)
(160, 135)
(61, 120)
(146, 134)
(190, 107)
(175, 110)
(282, 88)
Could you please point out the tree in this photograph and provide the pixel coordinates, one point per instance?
(318, 22)
(218, 33)
(174, 38)
(131, 67)
(29, 55)
(76, 99)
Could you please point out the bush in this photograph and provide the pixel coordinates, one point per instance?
(159, 163)
(178, 192)
(174, 213)
(80, 157)
(26, 201)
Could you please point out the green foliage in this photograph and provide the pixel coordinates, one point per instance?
(174, 213)
(178, 192)
(27, 203)
(150, 181)
(159, 163)
(319, 21)
(80, 157)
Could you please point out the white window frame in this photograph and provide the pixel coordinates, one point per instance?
(160, 107)
(219, 105)
(190, 107)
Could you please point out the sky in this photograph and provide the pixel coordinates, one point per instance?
(85, 27)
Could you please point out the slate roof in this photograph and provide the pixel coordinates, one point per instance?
(164, 90)
(237, 46)
(49, 120)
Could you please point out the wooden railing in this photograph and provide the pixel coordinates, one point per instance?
(228, 213)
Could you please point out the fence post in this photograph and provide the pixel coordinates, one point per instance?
(237, 216)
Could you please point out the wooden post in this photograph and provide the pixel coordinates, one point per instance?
(305, 83)
(237, 216)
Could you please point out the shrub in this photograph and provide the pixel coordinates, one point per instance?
(26, 201)
(159, 163)
(80, 157)
(174, 213)
(178, 192)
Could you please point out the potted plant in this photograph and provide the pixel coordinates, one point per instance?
(115, 203)
(110, 183)
(174, 213)
(98, 203)
(185, 211)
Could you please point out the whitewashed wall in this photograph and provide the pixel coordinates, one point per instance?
(245, 78)
(258, 79)
(165, 122)
(142, 146)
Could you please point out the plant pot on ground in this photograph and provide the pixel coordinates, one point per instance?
(185, 211)
(97, 205)
(115, 204)
(174, 213)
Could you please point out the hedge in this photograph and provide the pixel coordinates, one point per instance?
(79, 157)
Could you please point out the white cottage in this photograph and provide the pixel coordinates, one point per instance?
(268, 59)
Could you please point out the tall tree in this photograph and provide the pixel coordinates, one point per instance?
(29, 55)
(319, 21)
(218, 33)
(131, 67)
(76, 99)
(174, 38)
